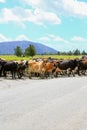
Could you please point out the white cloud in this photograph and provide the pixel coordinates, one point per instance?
(2, 1)
(43, 11)
(12, 15)
(60, 44)
(53, 38)
(33, 3)
(3, 38)
(41, 4)
(7, 15)
(79, 39)
(75, 7)
(69, 7)
(22, 37)
(18, 38)
(21, 15)
(39, 16)
(54, 41)
(56, 38)
(44, 39)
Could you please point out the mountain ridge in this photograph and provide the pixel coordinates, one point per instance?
(8, 47)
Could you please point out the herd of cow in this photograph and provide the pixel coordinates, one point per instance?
(43, 68)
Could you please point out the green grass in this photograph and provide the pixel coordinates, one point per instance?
(61, 56)
(13, 57)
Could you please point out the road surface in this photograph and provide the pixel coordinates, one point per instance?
(52, 104)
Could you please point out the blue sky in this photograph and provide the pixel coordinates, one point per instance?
(60, 24)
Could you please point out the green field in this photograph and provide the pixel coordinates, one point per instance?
(13, 57)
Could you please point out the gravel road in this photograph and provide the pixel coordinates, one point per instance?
(52, 104)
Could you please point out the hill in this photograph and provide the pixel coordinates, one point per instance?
(8, 47)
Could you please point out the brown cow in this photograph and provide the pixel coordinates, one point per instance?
(50, 68)
(36, 68)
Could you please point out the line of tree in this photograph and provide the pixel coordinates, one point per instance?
(29, 51)
(74, 52)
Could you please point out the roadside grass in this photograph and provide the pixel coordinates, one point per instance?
(13, 57)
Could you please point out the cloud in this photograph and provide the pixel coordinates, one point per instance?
(21, 15)
(43, 11)
(53, 38)
(68, 7)
(33, 3)
(22, 37)
(78, 39)
(61, 44)
(7, 15)
(56, 38)
(39, 16)
(41, 4)
(75, 7)
(2, 1)
(3, 38)
(72, 7)
(18, 38)
(44, 39)
(55, 42)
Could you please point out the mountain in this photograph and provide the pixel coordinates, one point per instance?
(8, 47)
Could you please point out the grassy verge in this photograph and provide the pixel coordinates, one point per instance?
(13, 57)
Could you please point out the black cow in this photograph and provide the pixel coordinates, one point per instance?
(2, 63)
(21, 69)
(10, 66)
(82, 66)
(68, 65)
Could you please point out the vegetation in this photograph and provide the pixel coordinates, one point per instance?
(74, 52)
(13, 57)
(18, 51)
(30, 51)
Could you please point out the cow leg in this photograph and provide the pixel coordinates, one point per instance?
(73, 73)
(46, 74)
(4, 73)
(69, 71)
(20, 74)
(0, 73)
(78, 72)
(29, 75)
(41, 75)
(12, 74)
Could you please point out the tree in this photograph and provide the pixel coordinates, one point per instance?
(69, 53)
(58, 53)
(18, 51)
(77, 52)
(83, 52)
(30, 51)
